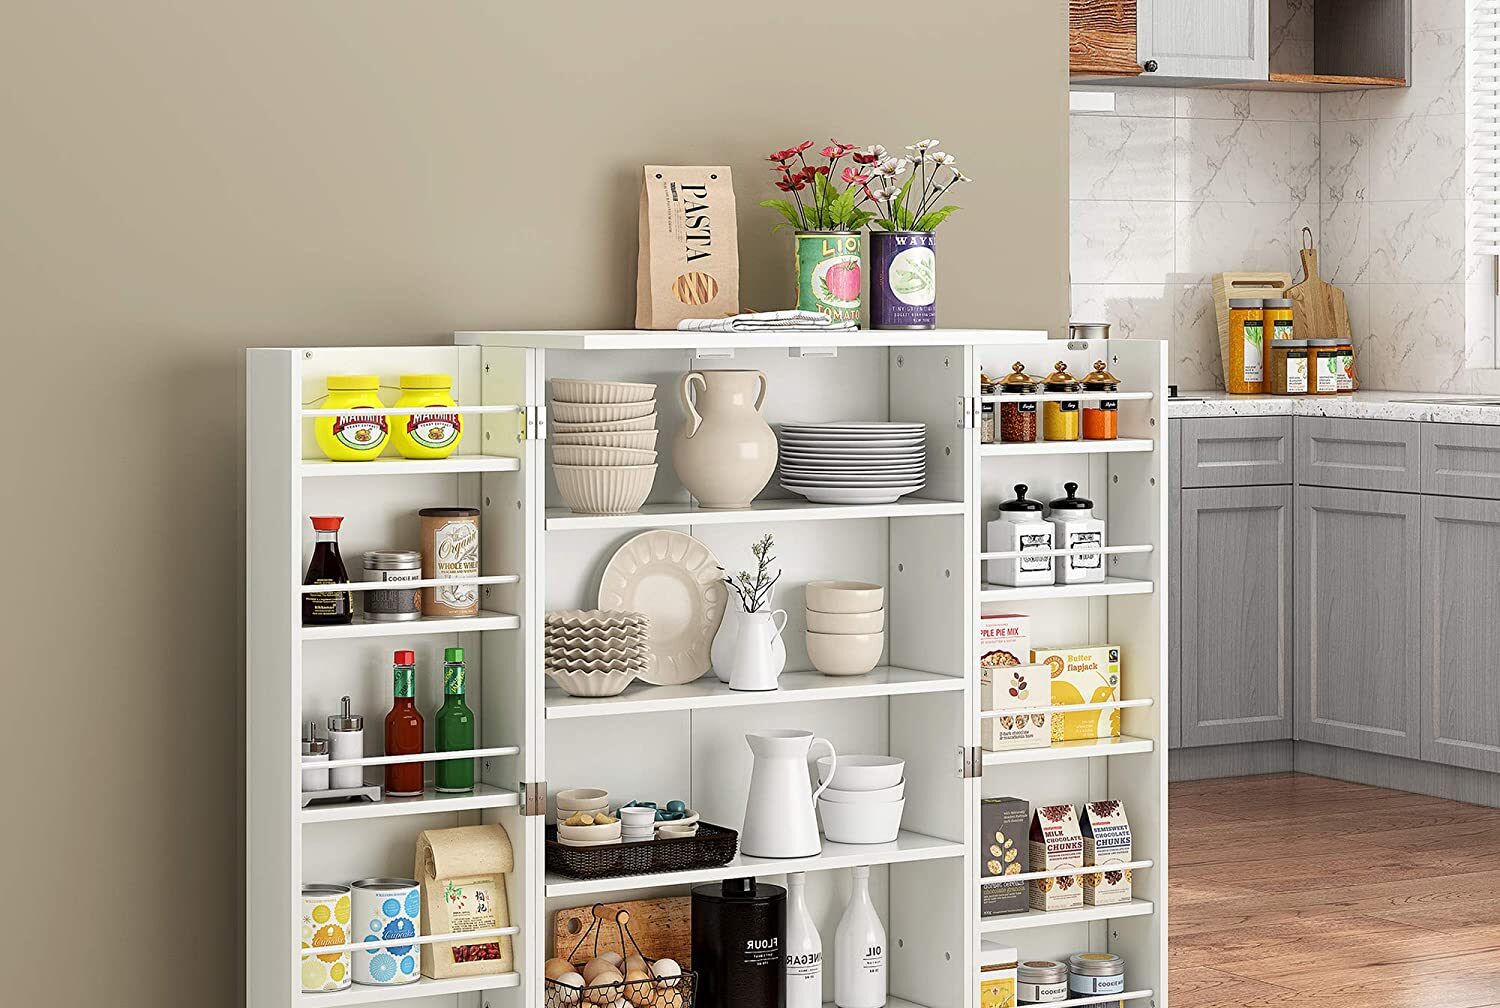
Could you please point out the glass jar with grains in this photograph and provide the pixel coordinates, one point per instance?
(1018, 418)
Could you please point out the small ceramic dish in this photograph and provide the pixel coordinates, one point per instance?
(587, 390)
(638, 816)
(608, 831)
(591, 684)
(863, 773)
(871, 823)
(889, 794)
(845, 654)
(593, 455)
(845, 596)
(644, 423)
(675, 831)
(846, 623)
(635, 440)
(589, 843)
(581, 799)
(565, 412)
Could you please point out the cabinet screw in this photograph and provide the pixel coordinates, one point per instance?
(901, 943)
(486, 369)
(947, 451)
(948, 956)
(947, 573)
(1153, 481)
(945, 362)
(901, 360)
(1153, 421)
(307, 355)
(900, 568)
(486, 502)
(1114, 936)
(518, 505)
(1114, 479)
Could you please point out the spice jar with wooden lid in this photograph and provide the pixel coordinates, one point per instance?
(1060, 416)
(1244, 354)
(1018, 418)
(1101, 417)
(1287, 367)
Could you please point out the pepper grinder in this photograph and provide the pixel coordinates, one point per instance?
(314, 751)
(346, 739)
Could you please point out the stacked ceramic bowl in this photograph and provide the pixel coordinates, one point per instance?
(864, 798)
(853, 463)
(583, 818)
(845, 626)
(595, 653)
(603, 444)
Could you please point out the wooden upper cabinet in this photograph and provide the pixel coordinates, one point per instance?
(1101, 38)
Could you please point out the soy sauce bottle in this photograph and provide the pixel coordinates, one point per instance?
(327, 567)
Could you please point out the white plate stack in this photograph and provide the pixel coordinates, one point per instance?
(595, 653)
(603, 444)
(853, 462)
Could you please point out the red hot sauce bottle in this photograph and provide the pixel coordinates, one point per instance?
(403, 730)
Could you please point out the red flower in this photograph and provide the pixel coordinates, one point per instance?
(812, 170)
(843, 147)
(802, 147)
(832, 152)
(861, 158)
(853, 177)
(791, 183)
(781, 156)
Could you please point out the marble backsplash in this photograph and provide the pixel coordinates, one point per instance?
(1177, 185)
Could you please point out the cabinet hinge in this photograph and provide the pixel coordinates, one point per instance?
(533, 798)
(972, 760)
(536, 423)
(968, 412)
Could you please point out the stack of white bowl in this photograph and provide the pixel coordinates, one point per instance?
(853, 463)
(595, 652)
(591, 802)
(845, 626)
(638, 823)
(603, 444)
(863, 801)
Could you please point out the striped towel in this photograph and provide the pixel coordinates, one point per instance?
(757, 321)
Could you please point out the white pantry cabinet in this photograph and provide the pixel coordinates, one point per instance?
(688, 741)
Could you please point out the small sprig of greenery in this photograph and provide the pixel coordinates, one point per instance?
(755, 593)
(934, 173)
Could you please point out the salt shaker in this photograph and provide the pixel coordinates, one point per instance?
(346, 740)
(1077, 529)
(314, 751)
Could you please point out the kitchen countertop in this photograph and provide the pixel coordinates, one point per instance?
(1359, 405)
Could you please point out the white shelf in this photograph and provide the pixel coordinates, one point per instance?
(906, 847)
(1068, 397)
(1109, 586)
(1069, 708)
(312, 468)
(793, 509)
(394, 411)
(432, 801)
(1049, 918)
(358, 994)
(796, 687)
(890, 1002)
(1078, 749)
(1068, 447)
(423, 757)
(364, 586)
(673, 339)
(361, 627)
(1102, 999)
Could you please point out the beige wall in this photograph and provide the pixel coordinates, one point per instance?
(183, 180)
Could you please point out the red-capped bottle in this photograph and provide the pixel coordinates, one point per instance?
(403, 730)
(327, 567)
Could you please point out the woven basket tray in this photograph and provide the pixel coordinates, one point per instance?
(713, 847)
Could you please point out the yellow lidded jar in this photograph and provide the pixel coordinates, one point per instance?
(431, 434)
(352, 436)
(1060, 421)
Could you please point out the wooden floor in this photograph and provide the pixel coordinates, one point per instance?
(1290, 891)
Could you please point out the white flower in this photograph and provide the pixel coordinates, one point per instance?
(887, 193)
(959, 176)
(922, 146)
(902, 165)
(943, 160)
(889, 168)
(877, 152)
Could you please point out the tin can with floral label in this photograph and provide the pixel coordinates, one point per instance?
(829, 274)
(903, 280)
(325, 921)
(387, 909)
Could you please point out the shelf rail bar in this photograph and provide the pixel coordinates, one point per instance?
(410, 410)
(458, 936)
(1060, 708)
(360, 586)
(1110, 550)
(427, 757)
(1060, 872)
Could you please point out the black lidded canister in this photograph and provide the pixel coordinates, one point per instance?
(739, 933)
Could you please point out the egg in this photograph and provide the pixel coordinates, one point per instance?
(634, 964)
(556, 968)
(639, 989)
(667, 971)
(604, 989)
(613, 958)
(594, 967)
(569, 993)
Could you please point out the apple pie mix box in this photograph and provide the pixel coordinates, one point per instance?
(1106, 841)
(1056, 843)
(1083, 675)
(1003, 823)
(1008, 682)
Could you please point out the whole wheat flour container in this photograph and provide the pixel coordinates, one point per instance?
(689, 266)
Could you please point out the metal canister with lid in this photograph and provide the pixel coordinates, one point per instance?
(1041, 981)
(325, 921)
(394, 604)
(1091, 974)
(1060, 416)
(1101, 417)
(987, 433)
(1018, 419)
(391, 910)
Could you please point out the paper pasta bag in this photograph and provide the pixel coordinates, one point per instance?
(689, 266)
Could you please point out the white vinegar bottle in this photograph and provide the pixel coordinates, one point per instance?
(804, 949)
(859, 950)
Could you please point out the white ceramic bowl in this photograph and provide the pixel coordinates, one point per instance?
(676, 831)
(863, 773)
(585, 390)
(580, 799)
(595, 455)
(845, 654)
(846, 623)
(566, 412)
(604, 489)
(845, 596)
(638, 440)
(645, 423)
(889, 794)
(588, 843)
(608, 831)
(638, 816)
(579, 683)
(872, 823)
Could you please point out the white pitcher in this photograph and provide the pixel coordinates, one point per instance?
(759, 654)
(726, 452)
(721, 652)
(780, 819)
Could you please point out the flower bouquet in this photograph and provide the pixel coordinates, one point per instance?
(903, 278)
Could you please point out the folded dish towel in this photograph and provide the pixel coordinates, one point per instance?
(766, 320)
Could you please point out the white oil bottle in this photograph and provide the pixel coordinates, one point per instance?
(859, 979)
(804, 949)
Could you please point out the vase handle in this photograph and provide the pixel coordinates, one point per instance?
(765, 387)
(833, 766)
(688, 380)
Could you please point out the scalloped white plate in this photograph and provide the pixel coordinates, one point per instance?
(675, 580)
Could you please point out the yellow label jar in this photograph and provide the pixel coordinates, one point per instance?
(430, 434)
(1278, 320)
(352, 436)
(1060, 420)
(1244, 356)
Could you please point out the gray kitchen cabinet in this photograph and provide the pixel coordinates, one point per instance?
(1236, 451)
(1358, 619)
(1204, 39)
(1461, 460)
(1236, 611)
(1461, 632)
(1359, 454)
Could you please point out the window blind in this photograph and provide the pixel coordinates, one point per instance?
(1484, 127)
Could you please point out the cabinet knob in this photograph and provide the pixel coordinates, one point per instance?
(1150, 66)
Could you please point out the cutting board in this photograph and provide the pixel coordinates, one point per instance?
(1319, 310)
(662, 928)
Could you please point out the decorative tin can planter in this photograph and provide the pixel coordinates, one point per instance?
(386, 909)
(903, 280)
(829, 273)
(325, 921)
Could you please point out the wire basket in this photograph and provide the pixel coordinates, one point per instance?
(675, 993)
(713, 847)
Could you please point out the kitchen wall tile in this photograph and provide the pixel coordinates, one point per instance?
(1245, 160)
(1291, 55)
(1417, 158)
(1429, 15)
(1227, 103)
(1219, 237)
(1120, 158)
(1193, 359)
(1437, 84)
(1410, 341)
(1344, 160)
(1120, 241)
(1292, 19)
(1344, 243)
(1418, 242)
(1134, 311)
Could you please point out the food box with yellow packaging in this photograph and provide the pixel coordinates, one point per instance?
(1083, 675)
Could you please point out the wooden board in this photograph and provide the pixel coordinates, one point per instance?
(661, 927)
(1101, 38)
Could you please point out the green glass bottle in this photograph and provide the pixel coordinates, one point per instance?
(455, 726)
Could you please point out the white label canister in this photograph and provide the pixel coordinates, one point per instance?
(387, 909)
(325, 921)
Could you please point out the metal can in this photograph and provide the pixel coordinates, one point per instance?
(829, 273)
(1041, 981)
(396, 604)
(386, 909)
(903, 280)
(1093, 973)
(450, 549)
(325, 921)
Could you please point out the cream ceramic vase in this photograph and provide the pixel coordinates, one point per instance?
(725, 453)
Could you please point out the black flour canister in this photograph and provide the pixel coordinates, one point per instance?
(739, 931)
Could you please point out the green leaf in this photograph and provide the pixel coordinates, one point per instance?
(785, 209)
(886, 223)
(932, 218)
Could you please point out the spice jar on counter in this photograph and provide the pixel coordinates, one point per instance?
(1060, 421)
(1101, 417)
(1092, 974)
(1277, 319)
(1244, 356)
(1345, 375)
(1323, 366)
(1018, 419)
(1287, 368)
